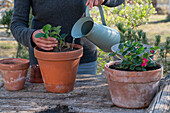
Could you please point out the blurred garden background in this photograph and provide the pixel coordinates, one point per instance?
(147, 19)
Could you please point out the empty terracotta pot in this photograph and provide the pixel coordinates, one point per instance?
(132, 89)
(59, 69)
(14, 72)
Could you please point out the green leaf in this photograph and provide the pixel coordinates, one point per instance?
(56, 37)
(143, 69)
(127, 62)
(63, 43)
(139, 63)
(121, 46)
(113, 54)
(123, 62)
(53, 33)
(134, 56)
(46, 28)
(146, 55)
(151, 48)
(56, 28)
(126, 67)
(121, 66)
(39, 35)
(58, 32)
(139, 52)
(125, 56)
(63, 36)
(156, 47)
(124, 53)
(121, 50)
(132, 67)
(46, 35)
(141, 49)
(138, 68)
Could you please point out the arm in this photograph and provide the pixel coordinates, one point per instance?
(109, 3)
(21, 32)
(19, 24)
(113, 3)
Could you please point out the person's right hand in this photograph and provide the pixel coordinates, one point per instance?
(45, 44)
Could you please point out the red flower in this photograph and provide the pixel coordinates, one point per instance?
(129, 54)
(138, 47)
(152, 51)
(144, 62)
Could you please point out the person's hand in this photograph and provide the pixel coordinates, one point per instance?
(45, 44)
(92, 3)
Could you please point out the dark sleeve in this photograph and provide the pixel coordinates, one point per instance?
(113, 3)
(19, 23)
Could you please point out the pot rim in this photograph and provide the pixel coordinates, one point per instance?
(20, 64)
(58, 56)
(112, 62)
(132, 76)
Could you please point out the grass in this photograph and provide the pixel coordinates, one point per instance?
(159, 25)
(8, 49)
(162, 1)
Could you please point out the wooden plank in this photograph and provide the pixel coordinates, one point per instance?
(161, 102)
(1, 83)
(91, 94)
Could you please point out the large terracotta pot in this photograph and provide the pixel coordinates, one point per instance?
(59, 69)
(14, 72)
(130, 89)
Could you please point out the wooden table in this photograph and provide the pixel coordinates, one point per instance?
(91, 94)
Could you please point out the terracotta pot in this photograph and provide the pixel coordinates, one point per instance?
(132, 89)
(35, 74)
(14, 72)
(59, 69)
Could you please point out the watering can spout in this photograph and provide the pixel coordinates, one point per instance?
(101, 35)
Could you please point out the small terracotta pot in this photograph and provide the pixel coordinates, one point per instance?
(14, 72)
(35, 74)
(132, 89)
(59, 69)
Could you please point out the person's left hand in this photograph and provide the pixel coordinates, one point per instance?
(92, 3)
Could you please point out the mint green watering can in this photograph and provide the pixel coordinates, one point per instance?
(101, 35)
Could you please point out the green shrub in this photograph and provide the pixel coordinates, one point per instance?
(6, 20)
(22, 52)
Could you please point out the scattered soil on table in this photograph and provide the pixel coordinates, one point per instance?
(117, 67)
(58, 109)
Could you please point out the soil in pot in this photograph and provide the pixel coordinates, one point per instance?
(63, 49)
(14, 72)
(132, 89)
(117, 67)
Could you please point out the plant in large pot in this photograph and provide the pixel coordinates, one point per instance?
(14, 72)
(133, 81)
(59, 66)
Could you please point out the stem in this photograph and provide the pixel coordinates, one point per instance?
(166, 56)
(151, 60)
(119, 57)
(50, 32)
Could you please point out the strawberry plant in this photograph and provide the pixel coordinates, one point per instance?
(135, 56)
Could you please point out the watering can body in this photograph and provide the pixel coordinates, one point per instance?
(102, 36)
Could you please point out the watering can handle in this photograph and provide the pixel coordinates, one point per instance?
(101, 14)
